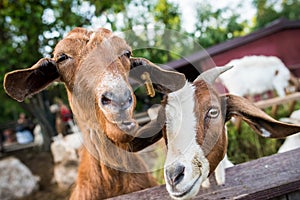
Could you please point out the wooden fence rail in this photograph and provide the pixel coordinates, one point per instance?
(278, 100)
(275, 102)
(273, 177)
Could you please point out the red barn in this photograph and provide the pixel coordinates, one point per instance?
(281, 38)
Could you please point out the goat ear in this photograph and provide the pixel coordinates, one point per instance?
(163, 81)
(20, 84)
(258, 120)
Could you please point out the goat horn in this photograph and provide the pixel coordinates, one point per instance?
(211, 75)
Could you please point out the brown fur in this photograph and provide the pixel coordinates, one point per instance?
(81, 61)
(211, 132)
(95, 179)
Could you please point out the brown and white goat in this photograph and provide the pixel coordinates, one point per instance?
(196, 133)
(95, 68)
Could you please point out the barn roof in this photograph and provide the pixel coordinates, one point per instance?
(276, 26)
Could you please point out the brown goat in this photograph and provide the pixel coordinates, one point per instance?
(95, 68)
(196, 133)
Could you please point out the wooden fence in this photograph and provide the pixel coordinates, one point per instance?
(276, 101)
(274, 177)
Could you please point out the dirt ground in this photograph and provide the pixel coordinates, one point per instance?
(41, 164)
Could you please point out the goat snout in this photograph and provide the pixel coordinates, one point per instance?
(117, 101)
(175, 174)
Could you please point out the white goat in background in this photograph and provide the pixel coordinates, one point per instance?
(253, 75)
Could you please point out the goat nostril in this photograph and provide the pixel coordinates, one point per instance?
(180, 175)
(127, 123)
(130, 100)
(126, 103)
(105, 100)
(175, 175)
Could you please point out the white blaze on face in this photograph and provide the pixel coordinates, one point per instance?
(183, 148)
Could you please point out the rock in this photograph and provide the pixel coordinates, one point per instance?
(62, 151)
(65, 173)
(16, 180)
(66, 159)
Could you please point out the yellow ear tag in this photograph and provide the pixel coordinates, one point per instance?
(148, 84)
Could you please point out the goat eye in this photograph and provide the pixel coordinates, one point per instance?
(127, 53)
(213, 113)
(62, 57)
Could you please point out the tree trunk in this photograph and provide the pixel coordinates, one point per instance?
(38, 106)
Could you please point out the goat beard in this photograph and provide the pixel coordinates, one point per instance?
(113, 131)
(117, 135)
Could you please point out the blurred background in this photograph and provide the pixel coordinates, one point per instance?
(29, 30)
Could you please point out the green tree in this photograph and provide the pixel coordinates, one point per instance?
(20, 42)
(213, 28)
(270, 10)
(28, 31)
(151, 23)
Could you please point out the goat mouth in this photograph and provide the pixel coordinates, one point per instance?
(129, 127)
(187, 191)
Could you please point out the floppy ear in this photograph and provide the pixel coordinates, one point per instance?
(163, 81)
(258, 120)
(20, 84)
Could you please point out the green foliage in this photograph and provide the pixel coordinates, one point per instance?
(213, 28)
(167, 14)
(156, 41)
(270, 10)
(9, 109)
(245, 145)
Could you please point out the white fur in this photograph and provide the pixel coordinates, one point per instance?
(256, 75)
(293, 141)
(290, 143)
(183, 148)
(265, 133)
(219, 172)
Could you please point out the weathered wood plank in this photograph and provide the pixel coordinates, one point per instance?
(294, 195)
(290, 196)
(17, 147)
(264, 178)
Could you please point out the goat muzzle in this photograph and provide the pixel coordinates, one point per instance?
(129, 127)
